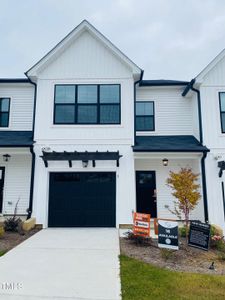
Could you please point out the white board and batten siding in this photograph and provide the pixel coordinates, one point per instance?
(21, 105)
(211, 84)
(173, 113)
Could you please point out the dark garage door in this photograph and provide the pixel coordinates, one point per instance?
(85, 199)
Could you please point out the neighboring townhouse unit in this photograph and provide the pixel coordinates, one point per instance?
(16, 144)
(211, 86)
(104, 139)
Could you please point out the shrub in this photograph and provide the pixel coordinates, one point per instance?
(218, 243)
(138, 240)
(2, 231)
(183, 231)
(166, 253)
(12, 224)
(216, 230)
(221, 256)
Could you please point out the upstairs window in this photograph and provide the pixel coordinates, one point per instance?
(145, 120)
(4, 112)
(222, 110)
(87, 104)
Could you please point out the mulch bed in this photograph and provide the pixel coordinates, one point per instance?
(186, 259)
(11, 239)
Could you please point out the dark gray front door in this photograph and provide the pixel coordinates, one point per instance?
(2, 180)
(84, 199)
(146, 193)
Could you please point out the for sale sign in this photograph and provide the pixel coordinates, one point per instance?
(199, 235)
(141, 224)
(168, 234)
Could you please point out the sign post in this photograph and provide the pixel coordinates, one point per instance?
(199, 235)
(141, 224)
(168, 234)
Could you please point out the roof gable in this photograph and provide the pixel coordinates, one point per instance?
(200, 77)
(69, 40)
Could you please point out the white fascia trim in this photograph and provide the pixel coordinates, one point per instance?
(59, 48)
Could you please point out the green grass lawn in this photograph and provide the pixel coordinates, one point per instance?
(2, 252)
(141, 281)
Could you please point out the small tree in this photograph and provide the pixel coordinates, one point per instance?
(186, 190)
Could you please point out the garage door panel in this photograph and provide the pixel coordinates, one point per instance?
(82, 199)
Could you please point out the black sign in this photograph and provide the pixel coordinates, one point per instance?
(199, 235)
(168, 234)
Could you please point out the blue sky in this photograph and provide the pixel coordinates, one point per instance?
(171, 39)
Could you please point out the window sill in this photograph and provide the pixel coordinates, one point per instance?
(61, 126)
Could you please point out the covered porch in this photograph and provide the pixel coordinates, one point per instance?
(15, 172)
(154, 158)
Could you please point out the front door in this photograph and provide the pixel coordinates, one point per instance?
(2, 177)
(146, 193)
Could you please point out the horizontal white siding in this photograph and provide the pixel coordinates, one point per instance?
(173, 113)
(21, 105)
(17, 183)
(164, 196)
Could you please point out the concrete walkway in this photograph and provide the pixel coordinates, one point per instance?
(79, 264)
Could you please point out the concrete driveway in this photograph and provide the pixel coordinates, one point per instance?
(79, 264)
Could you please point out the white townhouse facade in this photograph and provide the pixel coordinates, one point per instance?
(210, 87)
(85, 140)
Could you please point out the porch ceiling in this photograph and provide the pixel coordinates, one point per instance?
(168, 143)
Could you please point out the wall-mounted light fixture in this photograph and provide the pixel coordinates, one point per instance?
(165, 162)
(6, 157)
(84, 163)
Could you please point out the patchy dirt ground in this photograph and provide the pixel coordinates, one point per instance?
(12, 239)
(186, 259)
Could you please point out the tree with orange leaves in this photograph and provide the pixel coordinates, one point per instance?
(186, 190)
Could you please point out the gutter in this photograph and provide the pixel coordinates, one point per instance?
(189, 87)
(30, 208)
(204, 189)
(135, 84)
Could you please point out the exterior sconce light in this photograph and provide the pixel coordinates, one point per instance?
(165, 162)
(6, 157)
(84, 163)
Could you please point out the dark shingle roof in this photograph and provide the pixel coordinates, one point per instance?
(14, 80)
(162, 82)
(168, 143)
(16, 138)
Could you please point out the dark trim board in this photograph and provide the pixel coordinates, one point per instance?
(14, 80)
(2, 181)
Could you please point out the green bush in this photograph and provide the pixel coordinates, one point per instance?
(2, 231)
(166, 253)
(217, 242)
(182, 231)
(221, 256)
(216, 230)
(12, 224)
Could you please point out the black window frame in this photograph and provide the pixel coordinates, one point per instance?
(8, 112)
(143, 130)
(221, 112)
(77, 104)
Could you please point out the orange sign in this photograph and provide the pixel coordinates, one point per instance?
(141, 224)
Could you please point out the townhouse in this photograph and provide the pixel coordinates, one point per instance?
(85, 140)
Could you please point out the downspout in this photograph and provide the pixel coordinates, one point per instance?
(135, 93)
(30, 208)
(204, 188)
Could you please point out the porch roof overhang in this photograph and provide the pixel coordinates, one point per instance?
(80, 156)
(10, 139)
(168, 143)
